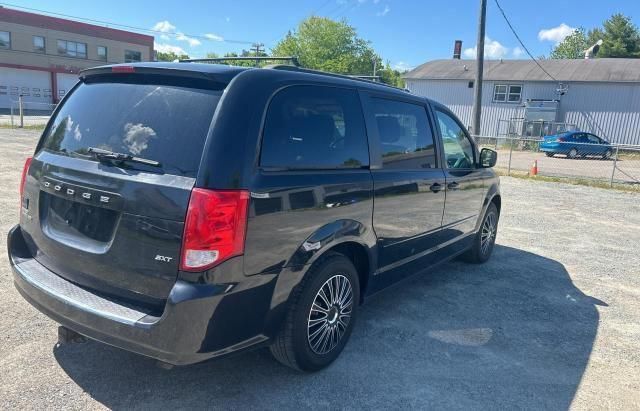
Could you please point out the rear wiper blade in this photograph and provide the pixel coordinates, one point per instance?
(101, 154)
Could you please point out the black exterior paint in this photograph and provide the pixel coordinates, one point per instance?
(403, 221)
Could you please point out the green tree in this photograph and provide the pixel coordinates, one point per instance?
(242, 63)
(324, 44)
(620, 37)
(391, 76)
(170, 56)
(572, 47)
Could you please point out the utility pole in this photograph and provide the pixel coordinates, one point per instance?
(375, 67)
(256, 49)
(477, 91)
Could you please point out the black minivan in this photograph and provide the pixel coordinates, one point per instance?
(185, 211)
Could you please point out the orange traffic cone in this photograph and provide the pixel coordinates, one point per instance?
(534, 168)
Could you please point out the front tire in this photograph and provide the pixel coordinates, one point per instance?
(607, 155)
(548, 154)
(485, 238)
(321, 316)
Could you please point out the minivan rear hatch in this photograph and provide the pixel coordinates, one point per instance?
(111, 178)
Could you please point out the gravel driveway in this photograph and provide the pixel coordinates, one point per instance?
(552, 321)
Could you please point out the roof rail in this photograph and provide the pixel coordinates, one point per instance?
(292, 59)
(364, 79)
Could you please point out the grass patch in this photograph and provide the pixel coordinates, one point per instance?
(26, 127)
(523, 175)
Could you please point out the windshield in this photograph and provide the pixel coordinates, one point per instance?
(164, 123)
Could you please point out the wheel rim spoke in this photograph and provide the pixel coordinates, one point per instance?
(330, 314)
(488, 233)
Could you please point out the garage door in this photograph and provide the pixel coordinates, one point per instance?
(65, 83)
(35, 87)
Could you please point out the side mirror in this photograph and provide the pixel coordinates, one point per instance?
(488, 158)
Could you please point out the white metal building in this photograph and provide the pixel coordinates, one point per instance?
(601, 96)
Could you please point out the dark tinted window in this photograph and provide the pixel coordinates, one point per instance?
(165, 123)
(314, 127)
(131, 56)
(458, 149)
(406, 140)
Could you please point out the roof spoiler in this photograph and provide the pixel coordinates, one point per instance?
(128, 69)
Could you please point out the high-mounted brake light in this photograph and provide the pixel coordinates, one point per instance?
(123, 69)
(25, 171)
(214, 229)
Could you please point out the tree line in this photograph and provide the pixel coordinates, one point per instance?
(321, 43)
(620, 39)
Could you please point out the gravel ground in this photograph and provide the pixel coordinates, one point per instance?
(551, 322)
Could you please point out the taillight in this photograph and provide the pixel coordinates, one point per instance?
(123, 69)
(561, 139)
(214, 229)
(25, 170)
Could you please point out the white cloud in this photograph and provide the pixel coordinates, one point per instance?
(227, 19)
(192, 41)
(167, 48)
(164, 26)
(384, 12)
(214, 37)
(517, 52)
(402, 66)
(555, 34)
(493, 49)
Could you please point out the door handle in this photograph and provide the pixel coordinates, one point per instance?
(453, 186)
(435, 187)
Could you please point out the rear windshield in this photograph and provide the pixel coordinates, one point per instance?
(164, 123)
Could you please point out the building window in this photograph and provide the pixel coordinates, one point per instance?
(102, 53)
(131, 56)
(5, 40)
(72, 49)
(515, 94)
(38, 44)
(507, 93)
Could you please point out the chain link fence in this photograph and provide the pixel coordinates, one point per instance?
(26, 114)
(605, 163)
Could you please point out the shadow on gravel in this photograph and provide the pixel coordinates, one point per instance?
(514, 332)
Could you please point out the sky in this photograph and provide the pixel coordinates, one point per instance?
(406, 33)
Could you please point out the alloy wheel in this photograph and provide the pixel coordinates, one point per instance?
(330, 314)
(488, 233)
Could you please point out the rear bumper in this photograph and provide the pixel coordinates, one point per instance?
(199, 322)
(553, 148)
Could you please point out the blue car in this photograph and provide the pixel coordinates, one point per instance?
(576, 144)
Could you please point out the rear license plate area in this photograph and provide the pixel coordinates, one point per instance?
(71, 220)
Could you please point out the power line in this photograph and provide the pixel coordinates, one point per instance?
(521, 43)
(108, 23)
(313, 12)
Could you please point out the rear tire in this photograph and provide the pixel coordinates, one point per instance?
(607, 155)
(485, 239)
(548, 154)
(573, 153)
(321, 316)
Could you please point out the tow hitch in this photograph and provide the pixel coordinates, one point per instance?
(66, 336)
